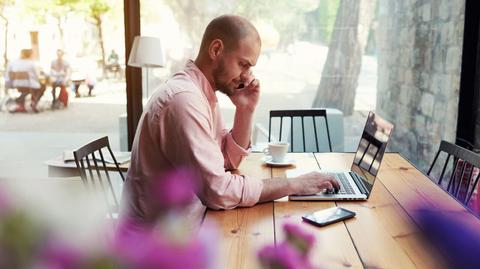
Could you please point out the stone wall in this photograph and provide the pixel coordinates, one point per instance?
(419, 62)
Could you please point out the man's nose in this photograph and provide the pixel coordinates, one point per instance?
(246, 75)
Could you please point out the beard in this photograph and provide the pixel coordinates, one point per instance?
(220, 85)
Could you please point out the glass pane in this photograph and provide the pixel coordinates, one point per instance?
(68, 102)
(396, 58)
(419, 62)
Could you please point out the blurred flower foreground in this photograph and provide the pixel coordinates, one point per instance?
(30, 238)
(65, 228)
(292, 253)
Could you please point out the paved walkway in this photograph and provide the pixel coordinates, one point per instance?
(28, 139)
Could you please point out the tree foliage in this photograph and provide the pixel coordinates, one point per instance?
(58, 9)
(284, 15)
(320, 22)
(93, 11)
(97, 8)
(4, 3)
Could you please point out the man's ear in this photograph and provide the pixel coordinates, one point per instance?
(215, 49)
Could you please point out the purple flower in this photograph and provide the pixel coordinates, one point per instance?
(283, 256)
(299, 238)
(137, 246)
(57, 254)
(457, 241)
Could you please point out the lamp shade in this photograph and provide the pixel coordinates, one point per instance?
(146, 52)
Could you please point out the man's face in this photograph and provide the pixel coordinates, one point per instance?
(233, 67)
(59, 54)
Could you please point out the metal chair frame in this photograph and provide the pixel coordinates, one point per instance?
(87, 160)
(313, 113)
(458, 153)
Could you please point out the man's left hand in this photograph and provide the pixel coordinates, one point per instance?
(246, 99)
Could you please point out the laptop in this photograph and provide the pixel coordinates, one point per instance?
(357, 183)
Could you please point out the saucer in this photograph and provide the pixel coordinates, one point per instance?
(288, 161)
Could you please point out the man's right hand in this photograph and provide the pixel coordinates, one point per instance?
(312, 183)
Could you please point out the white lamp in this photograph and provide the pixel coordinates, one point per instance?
(146, 52)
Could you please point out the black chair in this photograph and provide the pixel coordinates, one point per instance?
(464, 143)
(314, 114)
(93, 170)
(463, 158)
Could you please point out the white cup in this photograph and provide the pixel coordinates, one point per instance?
(278, 151)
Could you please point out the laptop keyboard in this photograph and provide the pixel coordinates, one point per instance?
(345, 187)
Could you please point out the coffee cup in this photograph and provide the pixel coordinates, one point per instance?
(277, 150)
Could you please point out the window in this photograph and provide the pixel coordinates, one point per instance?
(400, 59)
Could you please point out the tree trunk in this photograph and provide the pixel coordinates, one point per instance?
(60, 31)
(344, 60)
(5, 40)
(98, 23)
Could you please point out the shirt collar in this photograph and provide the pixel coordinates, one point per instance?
(199, 78)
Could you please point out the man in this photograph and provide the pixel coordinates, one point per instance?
(60, 74)
(182, 127)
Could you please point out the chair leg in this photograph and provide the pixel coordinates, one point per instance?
(328, 134)
(469, 196)
(316, 136)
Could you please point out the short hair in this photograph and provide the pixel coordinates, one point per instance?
(26, 53)
(228, 28)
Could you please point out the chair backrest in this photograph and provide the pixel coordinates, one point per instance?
(94, 171)
(18, 75)
(313, 116)
(463, 179)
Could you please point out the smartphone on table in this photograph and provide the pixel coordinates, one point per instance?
(328, 216)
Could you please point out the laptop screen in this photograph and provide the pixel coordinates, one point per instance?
(371, 149)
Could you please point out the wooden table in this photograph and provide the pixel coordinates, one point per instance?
(384, 234)
(58, 168)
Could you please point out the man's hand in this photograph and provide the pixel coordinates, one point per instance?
(246, 99)
(307, 184)
(313, 182)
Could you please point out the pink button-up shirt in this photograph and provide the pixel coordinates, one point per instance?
(182, 127)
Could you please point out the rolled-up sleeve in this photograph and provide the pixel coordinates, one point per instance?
(233, 154)
(190, 124)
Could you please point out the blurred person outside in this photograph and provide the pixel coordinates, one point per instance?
(113, 65)
(181, 126)
(82, 73)
(59, 74)
(113, 57)
(23, 74)
(78, 78)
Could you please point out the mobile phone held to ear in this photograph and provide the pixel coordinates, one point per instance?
(245, 84)
(328, 216)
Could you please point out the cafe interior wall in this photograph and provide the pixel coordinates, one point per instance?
(419, 64)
